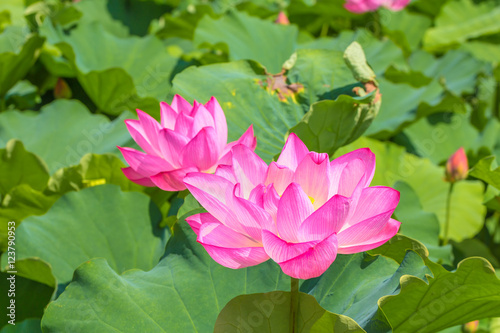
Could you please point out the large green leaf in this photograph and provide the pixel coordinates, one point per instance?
(380, 53)
(249, 38)
(330, 125)
(405, 28)
(449, 298)
(323, 73)
(457, 70)
(20, 202)
(18, 166)
(126, 73)
(26, 326)
(17, 53)
(31, 296)
(82, 131)
(236, 87)
(270, 313)
(93, 170)
(420, 225)
(403, 104)
(354, 283)
(437, 138)
(183, 293)
(484, 170)
(100, 221)
(427, 180)
(460, 20)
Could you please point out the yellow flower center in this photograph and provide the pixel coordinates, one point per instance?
(312, 199)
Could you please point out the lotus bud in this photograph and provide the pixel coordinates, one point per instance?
(457, 166)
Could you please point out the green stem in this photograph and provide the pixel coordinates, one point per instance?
(2, 103)
(294, 304)
(324, 30)
(377, 27)
(448, 209)
(496, 106)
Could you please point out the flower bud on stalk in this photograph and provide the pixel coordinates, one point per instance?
(457, 166)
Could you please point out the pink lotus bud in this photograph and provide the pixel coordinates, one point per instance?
(300, 210)
(282, 19)
(362, 6)
(471, 327)
(457, 166)
(190, 138)
(62, 90)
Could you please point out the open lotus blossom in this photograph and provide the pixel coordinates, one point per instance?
(300, 210)
(189, 138)
(362, 6)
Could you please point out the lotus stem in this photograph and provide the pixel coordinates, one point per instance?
(294, 304)
(496, 106)
(448, 209)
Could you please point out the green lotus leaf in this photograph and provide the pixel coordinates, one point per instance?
(270, 313)
(249, 38)
(18, 52)
(82, 131)
(18, 166)
(461, 20)
(106, 222)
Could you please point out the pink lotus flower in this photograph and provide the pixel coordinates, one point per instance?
(362, 6)
(190, 138)
(300, 211)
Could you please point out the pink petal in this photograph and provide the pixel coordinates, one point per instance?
(172, 180)
(328, 219)
(294, 207)
(251, 217)
(351, 171)
(237, 257)
(180, 105)
(301, 260)
(217, 234)
(201, 151)
(279, 176)
(202, 118)
(370, 231)
(137, 132)
(144, 164)
(137, 177)
(215, 194)
(226, 171)
(257, 195)
(293, 152)
(195, 221)
(361, 6)
(271, 201)
(171, 144)
(217, 113)
(381, 236)
(168, 116)
(374, 201)
(249, 168)
(184, 124)
(397, 4)
(247, 139)
(312, 175)
(150, 127)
